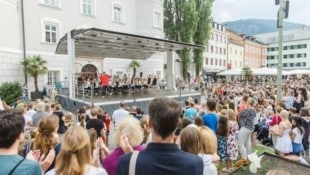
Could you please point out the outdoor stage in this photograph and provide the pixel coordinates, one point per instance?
(110, 103)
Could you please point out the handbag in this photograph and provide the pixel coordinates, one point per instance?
(133, 162)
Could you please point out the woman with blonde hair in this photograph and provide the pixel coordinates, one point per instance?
(128, 136)
(284, 143)
(75, 155)
(202, 142)
(46, 140)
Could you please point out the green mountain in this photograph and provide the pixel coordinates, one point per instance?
(258, 26)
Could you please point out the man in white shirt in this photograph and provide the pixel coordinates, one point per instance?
(119, 113)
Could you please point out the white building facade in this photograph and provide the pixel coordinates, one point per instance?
(216, 52)
(296, 48)
(46, 21)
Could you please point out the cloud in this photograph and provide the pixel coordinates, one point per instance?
(226, 10)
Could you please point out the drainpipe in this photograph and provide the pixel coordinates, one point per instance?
(23, 36)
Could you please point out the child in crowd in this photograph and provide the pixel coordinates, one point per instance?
(190, 141)
(297, 134)
(232, 142)
(82, 121)
(68, 120)
(222, 135)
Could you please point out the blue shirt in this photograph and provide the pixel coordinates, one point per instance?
(27, 167)
(162, 159)
(190, 113)
(211, 121)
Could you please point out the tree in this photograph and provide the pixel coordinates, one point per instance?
(134, 64)
(247, 72)
(202, 34)
(10, 91)
(180, 24)
(35, 66)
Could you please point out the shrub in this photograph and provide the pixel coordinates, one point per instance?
(10, 91)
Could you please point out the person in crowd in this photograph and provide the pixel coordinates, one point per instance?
(288, 99)
(12, 122)
(82, 121)
(244, 103)
(107, 121)
(222, 135)
(246, 124)
(68, 120)
(302, 96)
(210, 119)
(144, 122)
(198, 121)
(162, 151)
(297, 134)
(274, 125)
(95, 123)
(82, 110)
(40, 108)
(47, 138)
(75, 156)
(208, 150)
(191, 112)
(232, 142)
(128, 136)
(284, 143)
(105, 79)
(31, 110)
(28, 119)
(191, 143)
(119, 113)
(61, 129)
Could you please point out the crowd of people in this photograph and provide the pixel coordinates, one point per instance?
(107, 84)
(194, 138)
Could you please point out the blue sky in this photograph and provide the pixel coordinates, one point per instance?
(228, 10)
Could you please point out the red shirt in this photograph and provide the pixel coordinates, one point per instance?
(104, 79)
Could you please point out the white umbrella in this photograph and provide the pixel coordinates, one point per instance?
(231, 72)
(267, 71)
(299, 71)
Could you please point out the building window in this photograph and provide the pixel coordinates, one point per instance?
(216, 37)
(216, 62)
(304, 64)
(207, 60)
(291, 55)
(53, 77)
(87, 7)
(53, 3)
(211, 48)
(224, 51)
(220, 62)
(224, 63)
(211, 63)
(220, 38)
(118, 13)
(299, 55)
(157, 19)
(50, 33)
(285, 65)
(284, 56)
(220, 50)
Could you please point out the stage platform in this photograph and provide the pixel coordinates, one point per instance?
(110, 103)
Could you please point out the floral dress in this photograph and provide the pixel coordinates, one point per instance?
(222, 147)
(232, 141)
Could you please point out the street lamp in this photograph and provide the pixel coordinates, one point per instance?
(282, 14)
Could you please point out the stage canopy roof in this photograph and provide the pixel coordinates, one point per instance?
(99, 43)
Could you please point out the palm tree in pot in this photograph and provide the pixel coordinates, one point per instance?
(134, 64)
(35, 66)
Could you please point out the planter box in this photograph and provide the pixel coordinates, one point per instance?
(270, 162)
(36, 95)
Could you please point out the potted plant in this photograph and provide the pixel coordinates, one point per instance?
(35, 66)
